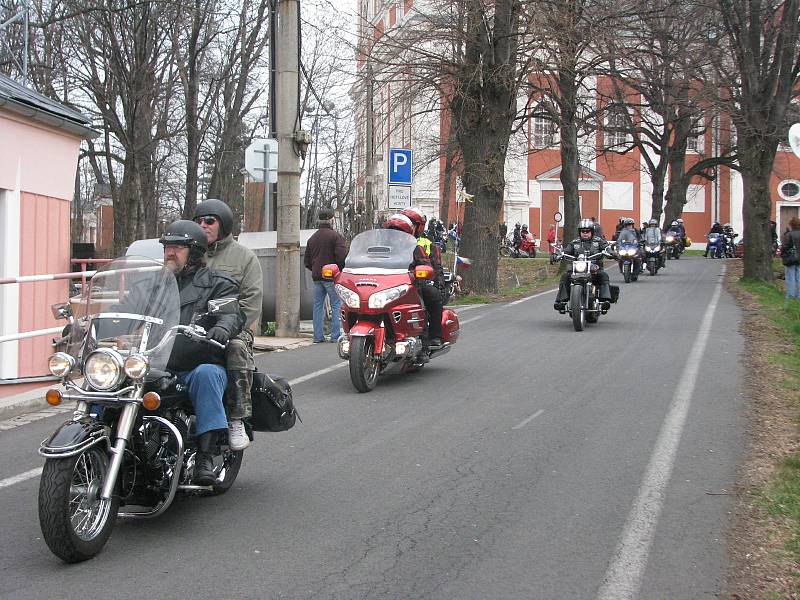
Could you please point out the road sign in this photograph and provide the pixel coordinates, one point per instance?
(400, 172)
(260, 157)
(399, 196)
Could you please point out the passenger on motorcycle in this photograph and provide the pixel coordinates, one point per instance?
(653, 236)
(715, 228)
(200, 366)
(427, 289)
(587, 243)
(516, 239)
(229, 257)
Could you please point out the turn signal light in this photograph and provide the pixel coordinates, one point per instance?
(423, 272)
(151, 401)
(53, 397)
(327, 273)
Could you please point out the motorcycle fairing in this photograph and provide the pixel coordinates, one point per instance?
(75, 436)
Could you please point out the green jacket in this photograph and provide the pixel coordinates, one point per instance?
(240, 263)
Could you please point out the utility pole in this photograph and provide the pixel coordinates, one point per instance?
(291, 143)
(369, 179)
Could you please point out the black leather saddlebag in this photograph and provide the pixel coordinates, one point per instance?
(273, 406)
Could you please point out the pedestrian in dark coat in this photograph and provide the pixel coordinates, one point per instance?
(325, 247)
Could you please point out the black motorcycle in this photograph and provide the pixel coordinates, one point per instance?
(653, 257)
(130, 445)
(584, 300)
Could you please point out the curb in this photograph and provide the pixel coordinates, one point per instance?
(26, 402)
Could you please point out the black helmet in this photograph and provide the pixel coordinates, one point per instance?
(186, 233)
(216, 208)
(586, 225)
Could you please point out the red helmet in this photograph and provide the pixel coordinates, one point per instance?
(416, 218)
(400, 222)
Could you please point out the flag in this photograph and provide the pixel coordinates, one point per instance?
(463, 262)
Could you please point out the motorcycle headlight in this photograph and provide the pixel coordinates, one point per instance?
(348, 296)
(136, 366)
(670, 239)
(103, 369)
(60, 364)
(657, 248)
(580, 266)
(384, 297)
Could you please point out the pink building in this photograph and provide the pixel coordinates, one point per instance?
(39, 143)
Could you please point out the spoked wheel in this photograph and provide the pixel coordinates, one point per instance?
(363, 364)
(227, 468)
(505, 251)
(626, 272)
(75, 521)
(576, 307)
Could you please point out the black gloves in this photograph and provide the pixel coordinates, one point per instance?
(218, 334)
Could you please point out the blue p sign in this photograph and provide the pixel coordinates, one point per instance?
(400, 172)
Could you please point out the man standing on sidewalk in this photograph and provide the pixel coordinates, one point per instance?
(325, 247)
(229, 257)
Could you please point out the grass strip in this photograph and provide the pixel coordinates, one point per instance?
(781, 496)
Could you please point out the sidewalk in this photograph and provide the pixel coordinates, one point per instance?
(33, 400)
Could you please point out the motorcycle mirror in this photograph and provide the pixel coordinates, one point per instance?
(223, 306)
(423, 272)
(329, 272)
(62, 310)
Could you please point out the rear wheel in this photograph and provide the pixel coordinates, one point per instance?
(505, 251)
(576, 307)
(626, 272)
(227, 469)
(363, 364)
(75, 521)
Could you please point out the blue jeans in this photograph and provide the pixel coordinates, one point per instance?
(206, 386)
(321, 289)
(792, 281)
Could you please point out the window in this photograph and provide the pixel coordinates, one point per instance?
(789, 189)
(695, 142)
(617, 125)
(544, 133)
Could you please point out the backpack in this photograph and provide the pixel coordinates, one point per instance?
(273, 405)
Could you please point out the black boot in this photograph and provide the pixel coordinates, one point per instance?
(204, 460)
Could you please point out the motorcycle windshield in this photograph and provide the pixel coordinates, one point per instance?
(628, 236)
(130, 305)
(381, 249)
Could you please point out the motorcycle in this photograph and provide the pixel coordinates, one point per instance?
(452, 286)
(383, 314)
(715, 245)
(527, 248)
(653, 257)
(730, 244)
(674, 245)
(630, 261)
(555, 252)
(129, 448)
(584, 301)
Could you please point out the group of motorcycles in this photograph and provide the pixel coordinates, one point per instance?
(129, 448)
(721, 245)
(526, 248)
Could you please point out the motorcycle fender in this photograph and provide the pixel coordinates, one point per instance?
(364, 329)
(73, 437)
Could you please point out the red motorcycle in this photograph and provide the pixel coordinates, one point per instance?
(383, 315)
(527, 247)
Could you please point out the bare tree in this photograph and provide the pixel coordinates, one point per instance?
(758, 65)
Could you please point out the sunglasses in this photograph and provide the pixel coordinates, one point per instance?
(210, 220)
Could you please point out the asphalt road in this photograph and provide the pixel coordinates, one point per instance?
(530, 462)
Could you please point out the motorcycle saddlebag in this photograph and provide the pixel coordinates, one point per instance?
(450, 325)
(614, 293)
(273, 406)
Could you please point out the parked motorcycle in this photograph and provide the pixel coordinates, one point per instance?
(584, 300)
(452, 284)
(555, 252)
(383, 315)
(527, 248)
(129, 448)
(730, 244)
(674, 245)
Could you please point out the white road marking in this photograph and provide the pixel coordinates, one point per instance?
(21, 477)
(317, 373)
(524, 422)
(624, 576)
(521, 300)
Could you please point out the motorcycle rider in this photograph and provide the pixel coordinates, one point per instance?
(432, 251)
(226, 255)
(516, 239)
(586, 243)
(629, 234)
(197, 365)
(598, 230)
(715, 228)
(652, 236)
(731, 236)
(430, 295)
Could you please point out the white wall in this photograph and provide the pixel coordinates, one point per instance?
(9, 267)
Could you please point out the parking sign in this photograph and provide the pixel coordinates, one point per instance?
(400, 172)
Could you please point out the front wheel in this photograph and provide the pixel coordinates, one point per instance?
(75, 521)
(363, 364)
(651, 267)
(626, 272)
(576, 307)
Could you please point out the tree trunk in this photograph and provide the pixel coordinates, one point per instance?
(756, 158)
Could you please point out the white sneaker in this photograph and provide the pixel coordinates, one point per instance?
(237, 436)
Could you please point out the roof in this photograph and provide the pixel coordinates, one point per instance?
(16, 97)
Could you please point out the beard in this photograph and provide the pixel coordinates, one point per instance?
(172, 265)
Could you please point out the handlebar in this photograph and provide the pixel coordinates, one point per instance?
(193, 332)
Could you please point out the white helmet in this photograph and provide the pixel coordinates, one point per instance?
(680, 221)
